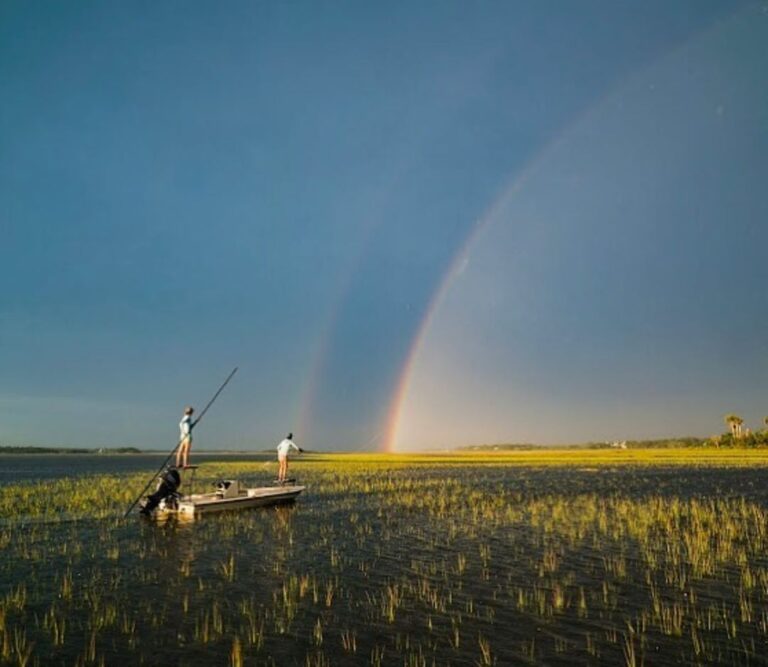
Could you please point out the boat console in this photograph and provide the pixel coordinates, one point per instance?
(228, 488)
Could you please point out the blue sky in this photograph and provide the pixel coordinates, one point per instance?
(283, 186)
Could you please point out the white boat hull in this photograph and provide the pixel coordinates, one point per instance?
(209, 503)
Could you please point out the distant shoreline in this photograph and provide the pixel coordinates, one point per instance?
(121, 451)
(680, 443)
(70, 450)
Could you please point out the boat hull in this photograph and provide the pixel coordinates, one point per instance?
(211, 503)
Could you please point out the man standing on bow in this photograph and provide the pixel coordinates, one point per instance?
(282, 456)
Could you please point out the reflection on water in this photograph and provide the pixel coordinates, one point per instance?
(394, 565)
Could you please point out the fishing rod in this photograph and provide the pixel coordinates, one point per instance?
(173, 451)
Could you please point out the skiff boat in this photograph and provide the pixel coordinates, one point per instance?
(229, 495)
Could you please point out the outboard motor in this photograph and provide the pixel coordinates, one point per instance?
(167, 486)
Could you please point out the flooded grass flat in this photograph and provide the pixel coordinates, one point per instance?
(523, 558)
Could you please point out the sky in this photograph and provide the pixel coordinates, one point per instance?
(409, 225)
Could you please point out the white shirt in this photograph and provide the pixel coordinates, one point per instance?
(285, 446)
(185, 427)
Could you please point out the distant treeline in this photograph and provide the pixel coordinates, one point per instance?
(759, 439)
(68, 450)
(634, 444)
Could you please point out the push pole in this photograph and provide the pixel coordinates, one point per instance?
(173, 451)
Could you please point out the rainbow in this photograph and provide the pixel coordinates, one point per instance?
(455, 269)
(498, 205)
(456, 266)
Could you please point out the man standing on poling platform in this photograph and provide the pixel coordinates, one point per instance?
(185, 433)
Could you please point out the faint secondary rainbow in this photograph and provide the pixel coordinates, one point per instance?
(304, 414)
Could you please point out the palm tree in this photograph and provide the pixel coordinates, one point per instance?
(734, 423)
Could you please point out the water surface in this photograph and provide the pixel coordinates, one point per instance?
(381, 564)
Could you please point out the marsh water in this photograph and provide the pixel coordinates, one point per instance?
(41, 467)
(387, 564)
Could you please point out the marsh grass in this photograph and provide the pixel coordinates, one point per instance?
(469, 559)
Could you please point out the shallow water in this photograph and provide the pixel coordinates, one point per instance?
(39, 467)
(394, 565)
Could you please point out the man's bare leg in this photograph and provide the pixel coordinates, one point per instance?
(182, 456)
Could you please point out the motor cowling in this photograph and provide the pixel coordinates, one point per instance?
(167, 486)
(171, 479)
